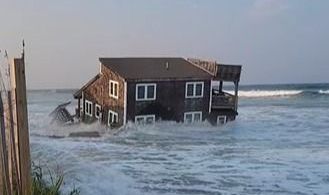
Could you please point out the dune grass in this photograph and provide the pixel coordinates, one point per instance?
(50, 186)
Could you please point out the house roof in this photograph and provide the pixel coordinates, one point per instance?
(154, 68)
(78, 94)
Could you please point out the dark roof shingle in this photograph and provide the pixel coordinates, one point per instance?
(154, 68)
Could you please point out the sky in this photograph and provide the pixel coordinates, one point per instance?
(276, 41)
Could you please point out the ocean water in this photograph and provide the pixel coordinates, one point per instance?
(279, 144)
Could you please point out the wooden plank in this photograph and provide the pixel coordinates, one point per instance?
(10, 128)
(14, 119)
(4, 154)
(8, 139)
(18, 69)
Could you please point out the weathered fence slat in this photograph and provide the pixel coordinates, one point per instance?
(18, 70)
(15, 162)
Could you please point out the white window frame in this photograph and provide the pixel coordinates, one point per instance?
(109, 123)
(194, 89)
(144, 117)
(145, 85)
(114, 83)
(87, 111)
(223, 117)
(100, 111)
(193, 116)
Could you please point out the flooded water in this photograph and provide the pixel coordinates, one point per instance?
(279, 144)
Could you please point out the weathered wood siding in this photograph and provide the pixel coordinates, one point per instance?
(98, 92)
(170, 102)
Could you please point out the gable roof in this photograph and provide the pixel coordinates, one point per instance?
(154, 68)
(78, 94)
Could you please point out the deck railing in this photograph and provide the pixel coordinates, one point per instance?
(223, 100)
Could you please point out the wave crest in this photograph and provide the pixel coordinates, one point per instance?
(264, 93)
(324, 91)
(278, 93)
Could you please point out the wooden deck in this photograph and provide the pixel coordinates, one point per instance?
(223, 100)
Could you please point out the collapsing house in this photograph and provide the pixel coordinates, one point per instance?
(145, 90)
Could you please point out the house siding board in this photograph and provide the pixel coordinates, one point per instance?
(98, 92)
(170, 103)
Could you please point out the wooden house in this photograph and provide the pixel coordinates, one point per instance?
(145, 90)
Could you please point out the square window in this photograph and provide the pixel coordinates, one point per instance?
(188, 118)
(145, 91)
(149, 120)
(116, 90)
(190, 90)
(197, 117)
(192, 117)
(140, 92)
(150, 91)
(198, 89)
(112, 117)
(194, 89)
(113, 89)
(145, 119)
(139, 120)
(88, 108)
(98, 111)
(221, 120)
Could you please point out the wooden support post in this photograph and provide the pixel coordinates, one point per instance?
(79, 108)
(236, 88)
(220, 86)
(82, 117)
(19, 86)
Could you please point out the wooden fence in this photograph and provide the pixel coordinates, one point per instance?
(15, 163)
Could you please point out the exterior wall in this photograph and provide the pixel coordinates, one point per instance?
(170, 102)
(98, 92)
(230, 115)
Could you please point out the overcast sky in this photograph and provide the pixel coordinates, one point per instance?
(276, 41)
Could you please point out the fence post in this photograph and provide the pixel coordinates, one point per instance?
(19, 93)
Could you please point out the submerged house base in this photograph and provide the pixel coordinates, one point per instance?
(144, 90)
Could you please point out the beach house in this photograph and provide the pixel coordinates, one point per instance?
(145, 90)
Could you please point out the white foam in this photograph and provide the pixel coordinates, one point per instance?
(267, 93)
(324, 91)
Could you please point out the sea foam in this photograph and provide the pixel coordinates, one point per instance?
(324, 91)
(267, 93)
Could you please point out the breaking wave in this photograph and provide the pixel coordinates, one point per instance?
(279, 93)
(324, 91)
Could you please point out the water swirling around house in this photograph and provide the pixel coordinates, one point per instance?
(279, 144)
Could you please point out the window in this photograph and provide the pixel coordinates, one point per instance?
(88, 108)
(112, 118)
(98, 111)
(145, 119)
(146, 91)
(114, 89)
(221, 120)
(194, 89)
(192, 117)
